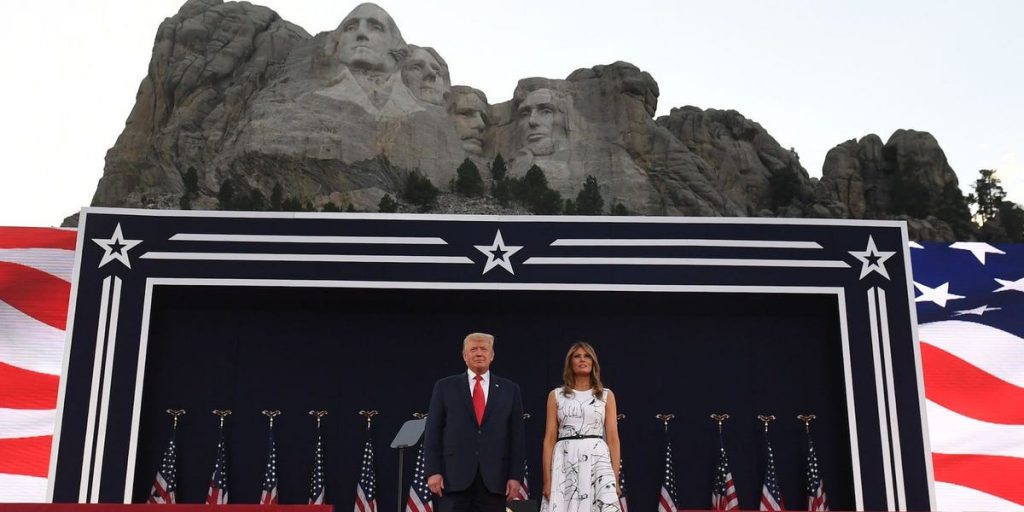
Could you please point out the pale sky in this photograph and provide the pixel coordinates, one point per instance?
(813, 73)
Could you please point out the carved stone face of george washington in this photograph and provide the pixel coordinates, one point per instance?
(368, 38)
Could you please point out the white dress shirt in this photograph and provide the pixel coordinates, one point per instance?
(486, 383)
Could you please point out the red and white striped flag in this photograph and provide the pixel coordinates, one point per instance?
(35, 284)
(420, 498)
(524, 490)
(723, 495)
(667, 495)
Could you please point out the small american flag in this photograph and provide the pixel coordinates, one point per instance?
(771, 497)
(268, 495)
(317, 494)
(165, 483)
(420, 498)
(723, 496)
(218, 493)
(623, 505)
(667, 498)
(816, 500)
(366, 489)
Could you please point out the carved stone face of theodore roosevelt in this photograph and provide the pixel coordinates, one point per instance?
(469, 112)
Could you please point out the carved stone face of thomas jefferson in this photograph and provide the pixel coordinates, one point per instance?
(424, 76)
(367, 38)
(469, 112)
(537, 118)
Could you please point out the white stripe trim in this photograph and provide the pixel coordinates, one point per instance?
(428, 285)
(894, 413)
(140, 376)
(876, 355)
(918, 367)
(851, 409)
(683, 242)
(706, 262)
(310, 239)
(66, 360)
(839, 292)
(90, 427)
(318, 258)
(108, 372)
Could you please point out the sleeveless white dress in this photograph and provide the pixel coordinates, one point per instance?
(582, 478)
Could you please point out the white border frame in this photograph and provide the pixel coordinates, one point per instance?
(153, 282)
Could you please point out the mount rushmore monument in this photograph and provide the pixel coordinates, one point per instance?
(236, 94)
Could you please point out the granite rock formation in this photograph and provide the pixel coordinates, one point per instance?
(236, 94)
(907, 177)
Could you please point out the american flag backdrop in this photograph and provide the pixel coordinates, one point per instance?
(420, 499)
(969, 296)
(35, 284)
(970, 305)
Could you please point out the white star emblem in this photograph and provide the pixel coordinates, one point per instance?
(978, 249)
(1017, 286)
(116, 247)
(939, 295)
(980, 310)
(872, 260)
(498, 254)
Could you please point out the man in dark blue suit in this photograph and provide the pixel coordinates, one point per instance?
(473, 445)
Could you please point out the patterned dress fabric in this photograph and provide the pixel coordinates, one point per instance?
(582, 478)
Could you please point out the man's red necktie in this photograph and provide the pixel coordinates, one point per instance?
(478, 400)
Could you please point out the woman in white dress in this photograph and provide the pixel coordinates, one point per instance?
(581, 440)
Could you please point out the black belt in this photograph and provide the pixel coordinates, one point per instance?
(579, 437)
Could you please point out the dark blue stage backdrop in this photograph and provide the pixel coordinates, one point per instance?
(345, 312)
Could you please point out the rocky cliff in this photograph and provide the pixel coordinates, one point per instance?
(236, 94)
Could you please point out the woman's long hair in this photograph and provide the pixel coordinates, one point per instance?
(595, 371)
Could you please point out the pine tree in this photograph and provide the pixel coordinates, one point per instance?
(191, 181)
(420, 191)
(589, 200)
(498, 168)
(276, 197)
(226, 195)
(987, 196)
(387, 204)
(467, 179)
